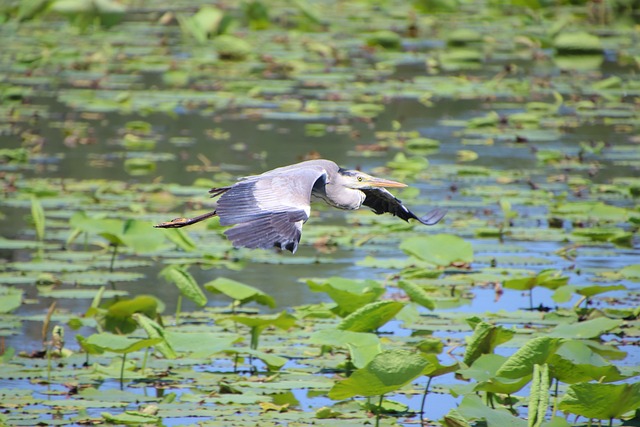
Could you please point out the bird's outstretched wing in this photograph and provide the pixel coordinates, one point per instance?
(268, 210)
(381, 201)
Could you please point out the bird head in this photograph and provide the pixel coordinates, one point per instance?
(362, 181)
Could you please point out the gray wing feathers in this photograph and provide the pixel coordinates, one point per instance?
(269, 209)
(280, 229)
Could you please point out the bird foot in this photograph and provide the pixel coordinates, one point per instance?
(183, 222)
(174, 223)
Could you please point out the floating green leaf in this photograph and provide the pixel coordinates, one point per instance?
(232, 47)
(592, 328)
(371, 316)
(577, 43)
(119, 343)
(439, 249)
(631, 272)
(564, 293)
(10, 299)
(83, 13)
(473, 409)
(241, 293)
(385, 39)
(551, 279)
(130, 418)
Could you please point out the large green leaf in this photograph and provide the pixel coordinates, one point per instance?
(119, 343)
(282, 320)
(535, 351)
(387, 372)
(631, 272)
(363, 346)
(118, 317)
(575, 361)
(371, 317)
(199, 344)
(439, 249)
(154, 330)
(551, 279)
(272, 361)
(185, 283)
(257, 324)
(239, 292)
(137, 235)
(180, 238)
(472, 409)
(601, 401)
(592, 328)
(349, 294)
(130, 418)
(140, 236)
(564, 293)
(486, 337)
(10, 299)
(484, 370)
(83, 13)
(417, 294)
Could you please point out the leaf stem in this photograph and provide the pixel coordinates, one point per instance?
(113, 257)
(555, 399)
(379, 410)
(48, 365)
(124, 359)
(424, 399)
(144, 359)
(178, 309)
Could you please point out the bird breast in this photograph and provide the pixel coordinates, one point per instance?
(338, 196)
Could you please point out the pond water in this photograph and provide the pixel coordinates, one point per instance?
(534, 155)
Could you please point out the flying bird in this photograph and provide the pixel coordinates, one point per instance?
(268, 210)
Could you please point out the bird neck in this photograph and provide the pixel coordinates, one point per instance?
(342, 197)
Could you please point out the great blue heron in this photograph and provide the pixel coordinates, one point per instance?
(269, 210)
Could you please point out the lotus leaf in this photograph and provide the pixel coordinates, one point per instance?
(388, 371)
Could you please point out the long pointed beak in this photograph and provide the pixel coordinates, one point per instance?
(379, 182)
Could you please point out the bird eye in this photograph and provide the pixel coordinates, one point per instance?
(359, 178)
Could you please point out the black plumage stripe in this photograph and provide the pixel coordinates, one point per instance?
(381, 201)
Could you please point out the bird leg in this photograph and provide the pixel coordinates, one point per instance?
(183, 222)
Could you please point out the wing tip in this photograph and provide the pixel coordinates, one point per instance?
(433, 217)
(290, 245)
